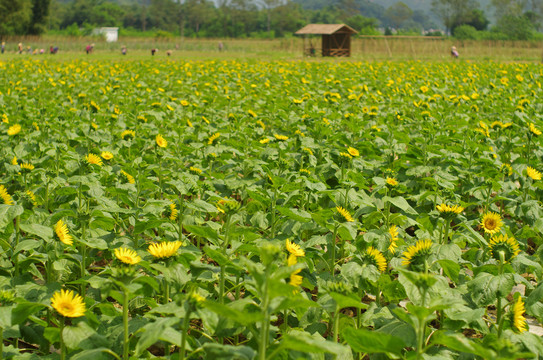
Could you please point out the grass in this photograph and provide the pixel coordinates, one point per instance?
(363, 48)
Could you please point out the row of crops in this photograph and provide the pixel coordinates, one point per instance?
(270, 210)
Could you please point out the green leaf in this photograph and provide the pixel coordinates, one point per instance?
(152, 332)
(228, 352)
(23, 310)
(8, 213)
(83, 336)
(44, 232)
(305, 342)
(202, 231)
(366, 341)
(295, 214)
(400, 203)
(227, 311)
(93, 354)
(345, 301)
(450, 268)
(485, 287)
(459, 343)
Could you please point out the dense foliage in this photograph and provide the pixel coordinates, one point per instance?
(242, 210)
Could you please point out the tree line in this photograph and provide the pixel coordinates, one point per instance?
(515, 19)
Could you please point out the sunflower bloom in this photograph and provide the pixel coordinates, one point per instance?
(393, 232)
(533, 173)
(519, 321)
(212, 138)
(164, 249)
(127, 256)
(128, 177)
(491, 223)
(294, 249)
(14, 161)
(172, 212)
(61, 230)
(280, 137)
(5, 196)
(106, 155)
(534, 130)
(295, 279)
(353, 151)
(68, 303)
(195, 170)
(32, 197)
(391, 181)
(160, 141)
(345, 213)
(345, 155)
(14, 130)
(27, 166)
(376, 258)
(414, 252)
(93, 159)
(508, 246)
(449, 209)
(128, 134)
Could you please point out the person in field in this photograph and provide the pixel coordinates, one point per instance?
(3, 46)
(123, 50)
(454, 52)
(153, 51)
(20, 46)
(89, 48)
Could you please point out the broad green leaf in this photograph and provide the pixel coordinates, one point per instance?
(366, 341)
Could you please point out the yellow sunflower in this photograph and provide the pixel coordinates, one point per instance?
(160, 141)
(6, 197)
(393, 232)
(503, 244)
(391, 181)
(534, 130)
(345, 213)
(491, 223)
(353, 151)
(376, 258)
(212, 138)
(128, 177)
(195, 170)
(172, 212)
(280, 137)
(32, 197)
(61, 230)
(449, 209)
(533, 173)
(295, 279)
(415, 252)
(93, 159)
(14, 130)
(294, 249)
(68, 303)
(106, 155)
(164, 250)
(128, 134)
(27, 166)
(127, 256)
(517, 312)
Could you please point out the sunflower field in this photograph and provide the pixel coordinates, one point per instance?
(270, 210)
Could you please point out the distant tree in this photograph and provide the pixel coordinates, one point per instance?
(508, 7)
(15, 16)
(465, 32)
(454, 12)
(515, 27)
(40, 10)
(398, 13)
(198, 12)
(362, 24)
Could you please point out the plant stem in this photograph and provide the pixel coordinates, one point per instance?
(62, 348)
(274, 201)
(445, 238)
(1, 343)
(264, 328)
(166, 291)
(335, 331)
(223, 269)
(499, 315)
(184, 331)
(125, 324)
(16, 257)
(333, 249)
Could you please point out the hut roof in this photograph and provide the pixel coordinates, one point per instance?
(325, 29)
